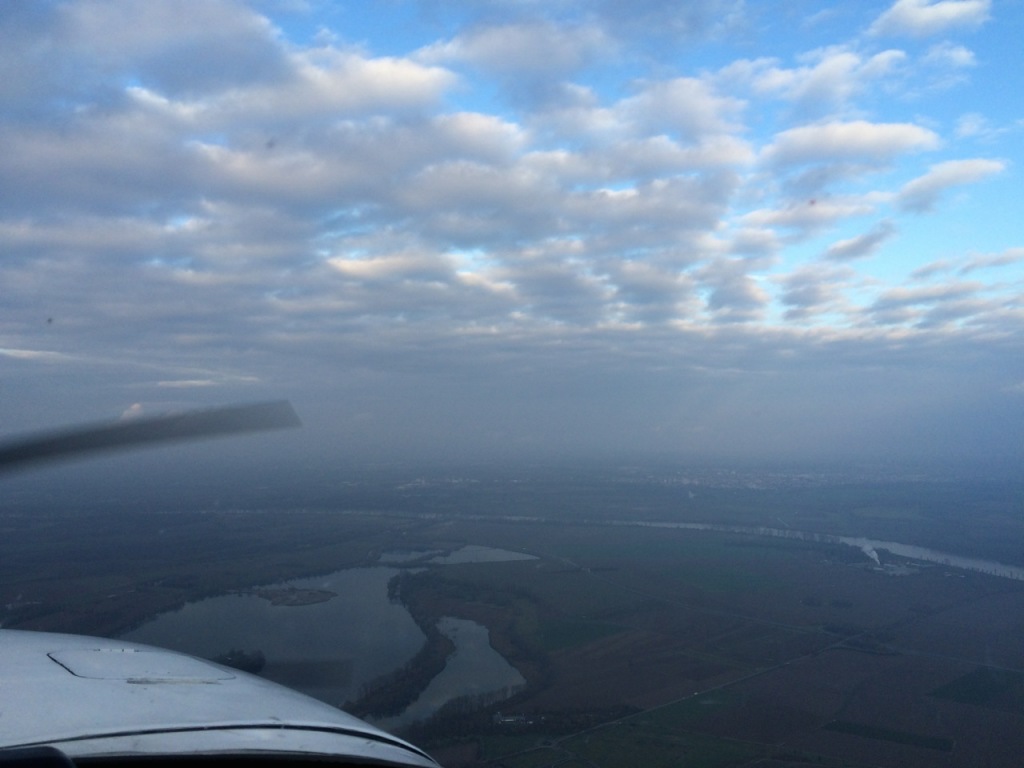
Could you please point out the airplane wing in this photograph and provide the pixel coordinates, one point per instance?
(100, 701)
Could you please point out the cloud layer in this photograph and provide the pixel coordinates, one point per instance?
(533, 228)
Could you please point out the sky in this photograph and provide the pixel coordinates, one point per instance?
(719, 229)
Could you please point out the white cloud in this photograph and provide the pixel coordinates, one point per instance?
(650, 293)
(856, 140)
(814, 289)
(472, 203)
(672, 215)
(524, 49)
(810, 215)
(971, 124)
(187, 383)
(734, 295)
(1009, 257)
(642, 20)
(42, 355)
(976, 126)
(659, 154)
(557, 289)
(332, 83)
(686, 107)
(931, 269)
(190, 47)
(754, 241)
(668, 126)
(947, 54)
(862, 245)
(482, 136)
(827, 83)
(133, 411)
(922, 193)
(908, 306)
(920, 18)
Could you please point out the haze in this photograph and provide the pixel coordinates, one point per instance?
(470, 231)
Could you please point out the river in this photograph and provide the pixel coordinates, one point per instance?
(870, 547)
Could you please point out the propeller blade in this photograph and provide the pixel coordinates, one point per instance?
(190, 425)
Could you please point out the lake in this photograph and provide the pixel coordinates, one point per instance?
(329, 635)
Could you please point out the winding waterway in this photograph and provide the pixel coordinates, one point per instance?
(474, 670)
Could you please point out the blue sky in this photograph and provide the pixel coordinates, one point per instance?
(716, 229)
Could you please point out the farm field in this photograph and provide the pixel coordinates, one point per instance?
(769, 651)
(684, 646)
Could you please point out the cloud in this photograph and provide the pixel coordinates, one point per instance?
(976, 126)
(133, 411)
(315, 84)
(654, 156)
(649, 293)
(424, 267)
(533, 58)
(947, 54)
(976, 262)
(470, 203)
(535, 49)
(838, 141)
(922, 193)
(187, 48)
(556, 289)
(673, 125)
(641, 20)
(904, 297)
(1009, 257)
(810, 215)
(815, 289)
(921, 18)
(945, 66)
(684, 106)
(830, 80)
(927, 305)
(42, 355)
(734, 295)
(862, 245)
(932, 269)
(755, 241)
